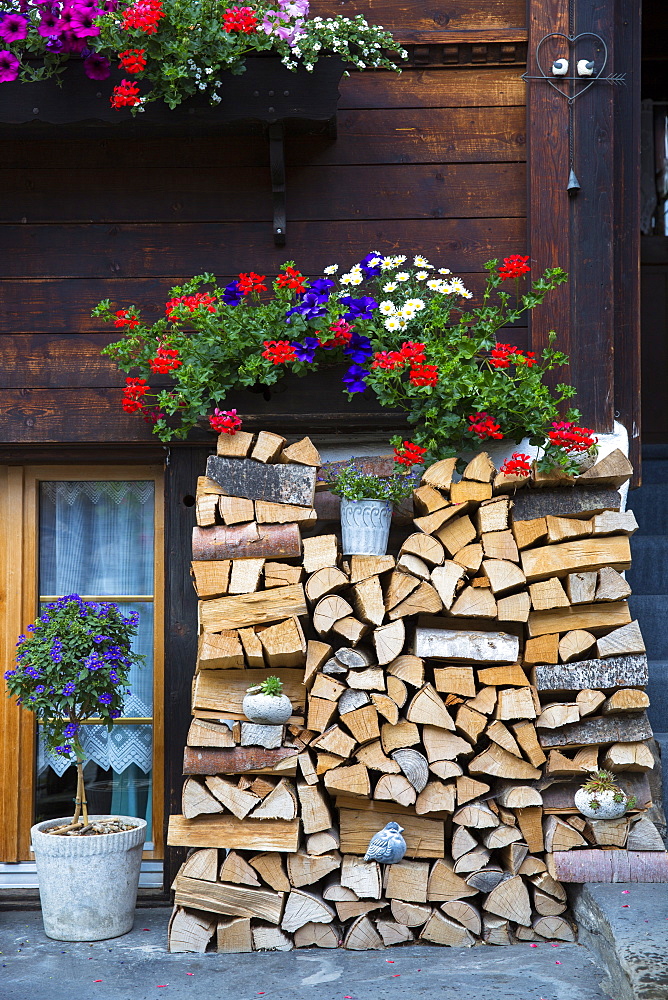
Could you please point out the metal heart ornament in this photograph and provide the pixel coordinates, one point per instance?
(572, 41)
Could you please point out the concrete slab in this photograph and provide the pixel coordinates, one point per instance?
(137, 967)
(626, 926)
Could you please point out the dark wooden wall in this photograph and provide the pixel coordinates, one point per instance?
(431, 160)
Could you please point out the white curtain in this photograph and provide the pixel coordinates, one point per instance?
(96, 539)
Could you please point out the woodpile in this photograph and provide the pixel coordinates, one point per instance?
(463, 686)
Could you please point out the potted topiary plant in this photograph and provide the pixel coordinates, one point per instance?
(601, 797)
(266, 704)
(366, 503)
(72, 666)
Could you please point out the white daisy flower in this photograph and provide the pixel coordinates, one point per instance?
(444, 270)
(403, 324)
(421, 261)
(332, 269)
(436, 285)
(374, 262)
(416, 304)
(387, 263)
(467, 295)
(387, 308)
(402, 276)
(422, 275)
(399, 260)
(392, 324)
(352, 278)
(407, 312)
(391, 286)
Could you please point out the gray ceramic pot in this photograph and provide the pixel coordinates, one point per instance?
(365, 527)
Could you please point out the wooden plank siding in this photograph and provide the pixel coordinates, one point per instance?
(432, 161)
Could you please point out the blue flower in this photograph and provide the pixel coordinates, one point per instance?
(371, 270)
(354, 379)
(33, 672)
(113, 677)
(70, 730)
(311, 306)
(9, 673)
(64, 749)
(93, 662)
(232, 295)
(106, 698)
(321, 286)
(306, 351)
(361, 308)
(115, 713)
(359, 349)
(69, 689)
(40, 689)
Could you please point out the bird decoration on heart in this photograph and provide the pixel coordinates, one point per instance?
(387, 846)
(585, 67)
(560, 67)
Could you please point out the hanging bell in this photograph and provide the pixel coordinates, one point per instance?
(573, 184)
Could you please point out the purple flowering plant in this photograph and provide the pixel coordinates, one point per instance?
(71, 666)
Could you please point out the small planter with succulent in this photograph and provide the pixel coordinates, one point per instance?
(266, 704)
(71, 666)
(601, 797)
(366, 505)
(405, 331)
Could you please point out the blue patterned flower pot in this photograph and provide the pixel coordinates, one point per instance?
(365, 527)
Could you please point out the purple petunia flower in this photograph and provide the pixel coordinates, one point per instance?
(105, 699)
(306, 351)
(354, 379)
(361, 308)
(113, 677)
(358, 349)
(13, 28)
(47, 24)
(83, 22)
(321, 286)
(9, 673)
(311, 306)
(232, 295)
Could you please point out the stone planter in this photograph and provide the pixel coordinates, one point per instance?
(607, 807)
(365, 527)
(88, 885)
(267, 709)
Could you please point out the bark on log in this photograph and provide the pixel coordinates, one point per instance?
(267, 541)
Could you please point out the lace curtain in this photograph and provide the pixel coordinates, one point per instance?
(96, 539)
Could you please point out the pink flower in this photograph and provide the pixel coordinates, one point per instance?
(9, 66)
(13, 28)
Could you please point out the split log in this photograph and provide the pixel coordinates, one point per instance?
(281, 803)
(515, 703)
(230, 900)
(435, 797)
(407, 881)
(531, 504)
(245, 576)
(560, 836)
(500, 837)
(474, 602)
(368, 601)
(189, 931)
(574, 645)
(323, 842)
(465, 914)
(414, 765)
(611, 586)
(388, 641)
(610, 729)
(203, 733)
(486, 879)
(543, 649)
(305, 869)
(498, 762)
(456, 533)
(210, 579)
(395, 788)
(446, 578)
(202, 864)
(251, 609)
(223, 691)
(302, 452)
(363, 877)
(499, 733)
(475, 815)
(554, 928)
(469, 646)
(500, 545)
(525, 734)
(428, 709)
(404, 734)
(547, 906)
(589, 701)
(484, 701)
(557, 715)
(246, 541)
(396, 690)
(408, 563)
(238, 802)
(612, 470)
(496, 931)
(335, 741)
(234, 936)
(284, 644)
(455, 680)
(196, 800)
(270, 939)
(386, 706)
(440, 930)
(562, 529)
(362, 936)
(393, 933)
(623, 641)
(593, 617)
(362, 567)
(583, 555)
(547, 594)
(256, 735)
(206, 507)
(470, 557)
(327, 580)
(425, 547)
(609, 832)
(274, 483)
(235, 510)
(513, 857)
(481, 469)
(644, 836)
(319, 552)
(493, 515)
(468, 788)
(628, 757)
(349, 910)
(321, 711)
(283, 513)
(409, 914)
(371, 679)
(252, 647)
(625, 700)
(220, 651)
(372, 756)
(400, 585)
(469, 723)
(423, 600)
(271, 868)
(424, 836)
(236, 870)
(560, 766)
(327, 688)
(352, 779)
(440, 473)
(581, 587)
(518, 796)
(440, 744)
(318, 935)
(362, 723)
(328, 611)
(470, 492)
(503, 575)
(529, 532)
(408, 668)
(267, 447)
(510, 900)
(427, 499)
(351, 628)
(617, 671)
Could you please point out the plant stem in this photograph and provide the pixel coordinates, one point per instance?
(81, 803)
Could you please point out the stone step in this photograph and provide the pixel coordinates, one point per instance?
(651, 610)
(649, 566)
(657, 689)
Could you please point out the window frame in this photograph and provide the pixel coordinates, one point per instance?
(19, 580)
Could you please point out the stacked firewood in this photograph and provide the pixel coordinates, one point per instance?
(463, 687)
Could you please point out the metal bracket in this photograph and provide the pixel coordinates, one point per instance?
(277, 164)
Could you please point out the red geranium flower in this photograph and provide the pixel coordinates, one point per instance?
(125, 318)
(144, 16)
(133, 60)
(388, 360)
(240, 19)
(423, 375)
(251, 282)
(412, 351)
(409, 454)
(503, 354)
(225, 421)
(291, 278)
(513, 267)
(572, 438)
(484, 426)
(165, 360)
(133, 394)
(279, 351)
(191, 302)
(519, 465)
(125, 95)
(342, 331)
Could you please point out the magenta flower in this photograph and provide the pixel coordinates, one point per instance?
(47, 24)
(96, 67)
(13, 28)
(9, 66)
(83, 22)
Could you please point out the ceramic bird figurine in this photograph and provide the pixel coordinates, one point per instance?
(585, 67)
(387, 846)
(560, 67)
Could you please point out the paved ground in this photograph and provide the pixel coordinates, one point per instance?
(137, 967)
